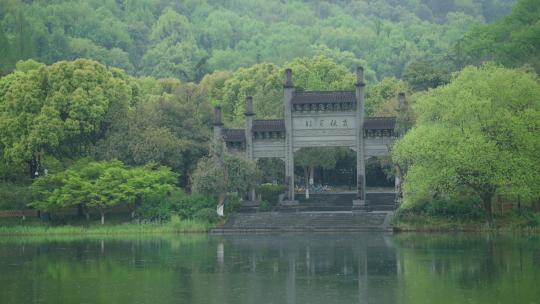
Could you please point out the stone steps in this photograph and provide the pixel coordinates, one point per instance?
(378, 201)
(307, 221)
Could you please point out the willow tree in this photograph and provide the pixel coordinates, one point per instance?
(478, 133)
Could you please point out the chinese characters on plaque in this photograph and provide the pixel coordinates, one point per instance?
(326, 123)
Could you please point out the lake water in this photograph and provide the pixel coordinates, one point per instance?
(280, 268)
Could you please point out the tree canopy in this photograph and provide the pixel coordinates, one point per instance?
(100, 185)
(478, 133)
(164, 38)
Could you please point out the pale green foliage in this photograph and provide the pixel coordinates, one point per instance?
(59, 109)
(28, 65)
(480, 132)
(381, 98)
(100, 185)
(265, 83)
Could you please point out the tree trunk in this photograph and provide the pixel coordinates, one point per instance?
(221, 203)
(102, 217)
(486, 200)
(306, 175)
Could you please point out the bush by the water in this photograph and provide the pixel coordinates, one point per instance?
(206, 214)
(448, 208)
(160, 207)
(14, 196)
(232, 203)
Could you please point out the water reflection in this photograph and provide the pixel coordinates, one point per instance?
(281, 268)
(316, 268)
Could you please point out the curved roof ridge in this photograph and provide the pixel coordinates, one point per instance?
(322, 92)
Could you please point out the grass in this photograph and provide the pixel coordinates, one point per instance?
(176, 225)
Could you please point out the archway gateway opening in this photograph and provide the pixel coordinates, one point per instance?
(314, 119)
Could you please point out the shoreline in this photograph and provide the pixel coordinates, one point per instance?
(153, 229)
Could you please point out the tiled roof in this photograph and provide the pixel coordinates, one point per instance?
(274, 125)
(268, 125)
(237, 135)
(379, 123)
(323, 97)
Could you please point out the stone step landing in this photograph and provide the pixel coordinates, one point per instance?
(307, 221)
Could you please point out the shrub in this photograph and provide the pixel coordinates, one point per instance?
(160, 207)
(232, 203)
(187, 205)
(14, 197)
(264, 206)
(457, 209)
(465, 209)
(270, 193)
(206, 214)
(524, 219)
(155, 208)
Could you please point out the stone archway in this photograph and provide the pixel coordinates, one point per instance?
(314, 119)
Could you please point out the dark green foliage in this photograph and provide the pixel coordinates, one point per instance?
(232, 204)
(512, 41)
(155, 208)
(265, 206)
(14, 196)
(206, 214)
(524, 219)
(161, 206)
(186, 205)
(454, 209)
(270, 193)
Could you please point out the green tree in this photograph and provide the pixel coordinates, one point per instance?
(58, 110)
(170, 126)
(265, 83)
(100, 185)
(222, 172)
(422, 75)
(311, 158)
(478, 133)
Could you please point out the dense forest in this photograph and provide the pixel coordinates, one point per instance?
(93, 90)
(188, 39)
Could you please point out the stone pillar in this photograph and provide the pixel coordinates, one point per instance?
(360, 203)
(402, 120)
(288, 91)
(399, 130)
(248, 127)
(249, 136)
(218, 125)
(400, 101)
